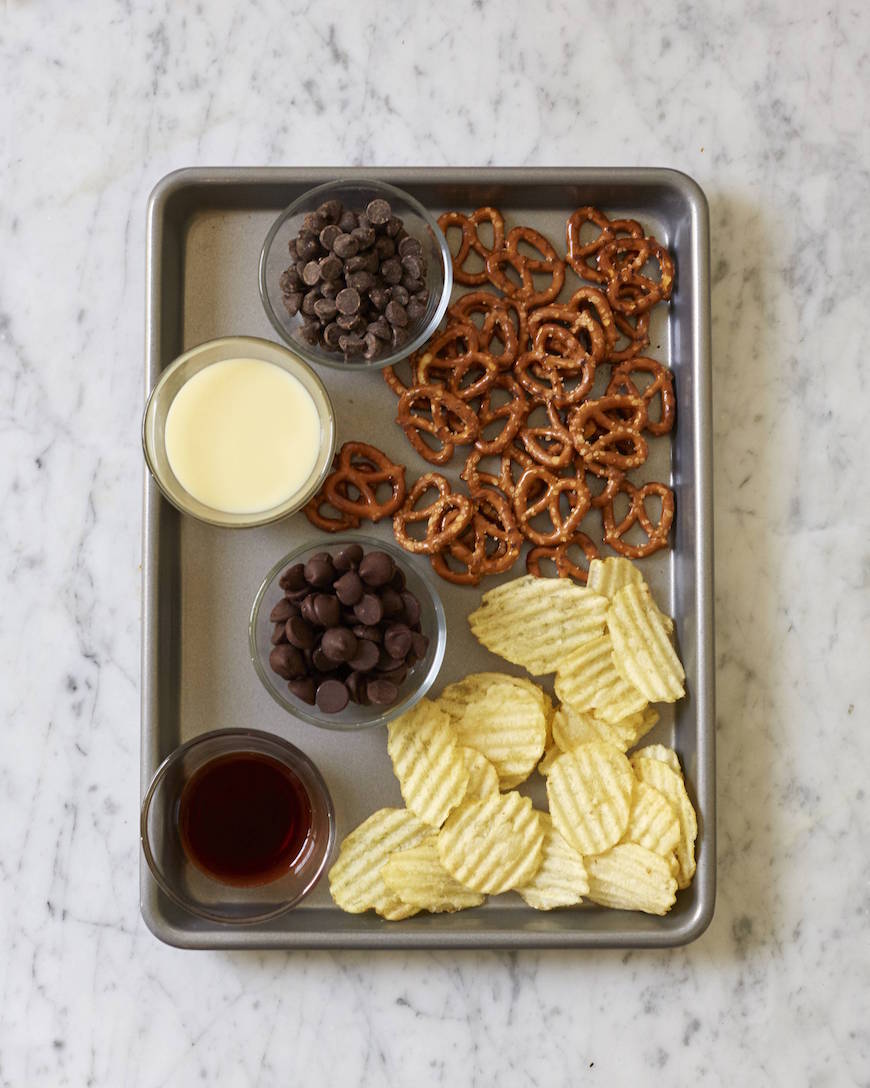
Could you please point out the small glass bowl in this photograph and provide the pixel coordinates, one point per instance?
(191, 363)
(187, 885)
(421, 676)
(355, 195)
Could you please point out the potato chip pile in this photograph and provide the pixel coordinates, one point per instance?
(621, 829)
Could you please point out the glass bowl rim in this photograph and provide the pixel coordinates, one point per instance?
(267, 517)
(389, 713)
(396, 356)
(296, 756)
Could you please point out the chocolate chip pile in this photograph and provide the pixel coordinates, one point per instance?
(358, 279)
(346, 630)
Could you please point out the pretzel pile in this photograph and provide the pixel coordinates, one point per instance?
(511, 379)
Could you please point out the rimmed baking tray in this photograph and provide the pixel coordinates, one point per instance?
(204, 232)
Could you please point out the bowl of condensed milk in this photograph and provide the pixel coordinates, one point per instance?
(238, 432)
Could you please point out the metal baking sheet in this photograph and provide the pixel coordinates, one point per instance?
(205, 229)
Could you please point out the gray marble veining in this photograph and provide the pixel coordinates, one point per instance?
(765, 103)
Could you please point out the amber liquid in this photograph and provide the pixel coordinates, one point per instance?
(244, 819)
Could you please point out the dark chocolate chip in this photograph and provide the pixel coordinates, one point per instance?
(321, 660)
(396, 314)
(348, 301)
(399, 294)
(348, 557)
(282, 611)
(319, 571)
(299, 633)
(331, 210)
(303, 689)
(376, 569)
(332, 696)
(364, 236)
(373, 345)
(287, 662)
(415, 309)
(308, 301)
(339, 643)
(398, 640)
(332, 334)
(361, 281)
(330, 288)
(410, 247)
(327, 610)
(398, 581)
(380, 328)
(356, 687)
(410, 283)
(381, 692)
(290, 280)
(344, 246)
(349, 221)
(366, 656)
(293, 577)
(349, 588)
(292, 302)
(378, 212)
(354, 264)
(278, 634)
(413, 266)
(307, 248)
(325, 309)
(385, 248)
(314, 222)
(328, 235)
(368, 610)
(391, 270)
(422, 295)
(330, 268)
(372, 634)
(394, 225)
(291, 247)
(412, 608)
(420, 644)
(351, 344)
(307, 610)
(399, 336)
(378, 297)
(311, 273)
(391, 599)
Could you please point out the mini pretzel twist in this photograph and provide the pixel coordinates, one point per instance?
(364, 468)
(601, 431)
(471, 241)
(622, 384)
(527, 506)
(565, 566)
(491, 544)
(526, 268)
(450, 421)
(445, 518)
(656, 532)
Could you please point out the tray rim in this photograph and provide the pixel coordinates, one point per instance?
(175, 184)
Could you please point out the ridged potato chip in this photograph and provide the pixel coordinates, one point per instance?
(428, 762)
(492, 845)
(482, 776)
(419, 879)
(662, 754)
(630, 877)
(561, 879)
(355, 880)
(574, 727)
(537, 622)
(652, 821)
(590, 790)
(551, 754)
(659, 775)
(588, 680)
(608, 576)
(642, 651)
(503, 717)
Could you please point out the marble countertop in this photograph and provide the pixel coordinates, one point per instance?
(765, 104)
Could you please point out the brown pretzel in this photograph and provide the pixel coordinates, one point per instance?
(622, 384)
(545, 377)
(549, 445)
(432, 409)
(656, 534)
(467, 377)
(635, 336)
(621, 274)
(324, 521)
(504, 321)
(580, 252)
(575, 331)
(513, 411)
(602, 434)
(565, 566)
(612, 478)
(445, 518)
(529, 503)
(364, 468)
(474, 476)
(526, 268)
(514, 455)
(492, 524)
(471, 241)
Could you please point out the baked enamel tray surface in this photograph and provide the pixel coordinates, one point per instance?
(205, 230)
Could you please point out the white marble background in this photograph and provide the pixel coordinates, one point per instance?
(765, 103)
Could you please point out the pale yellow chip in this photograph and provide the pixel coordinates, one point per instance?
(608, 576)
(661, 753)
(537, 622)
(630, 877)
(492, 845)
(355, 879)
(574, 727)
(561, 879)
(588, 680)
(659, 775)
(482, 776)
(590, 790)
(428, 762)
(419, 879)
(503, 717)
(642, 650)
(551, 754)
(652, 822)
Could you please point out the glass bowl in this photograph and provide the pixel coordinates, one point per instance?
(189, 886)
(355, 195)
(421, 676)
(191, 363)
